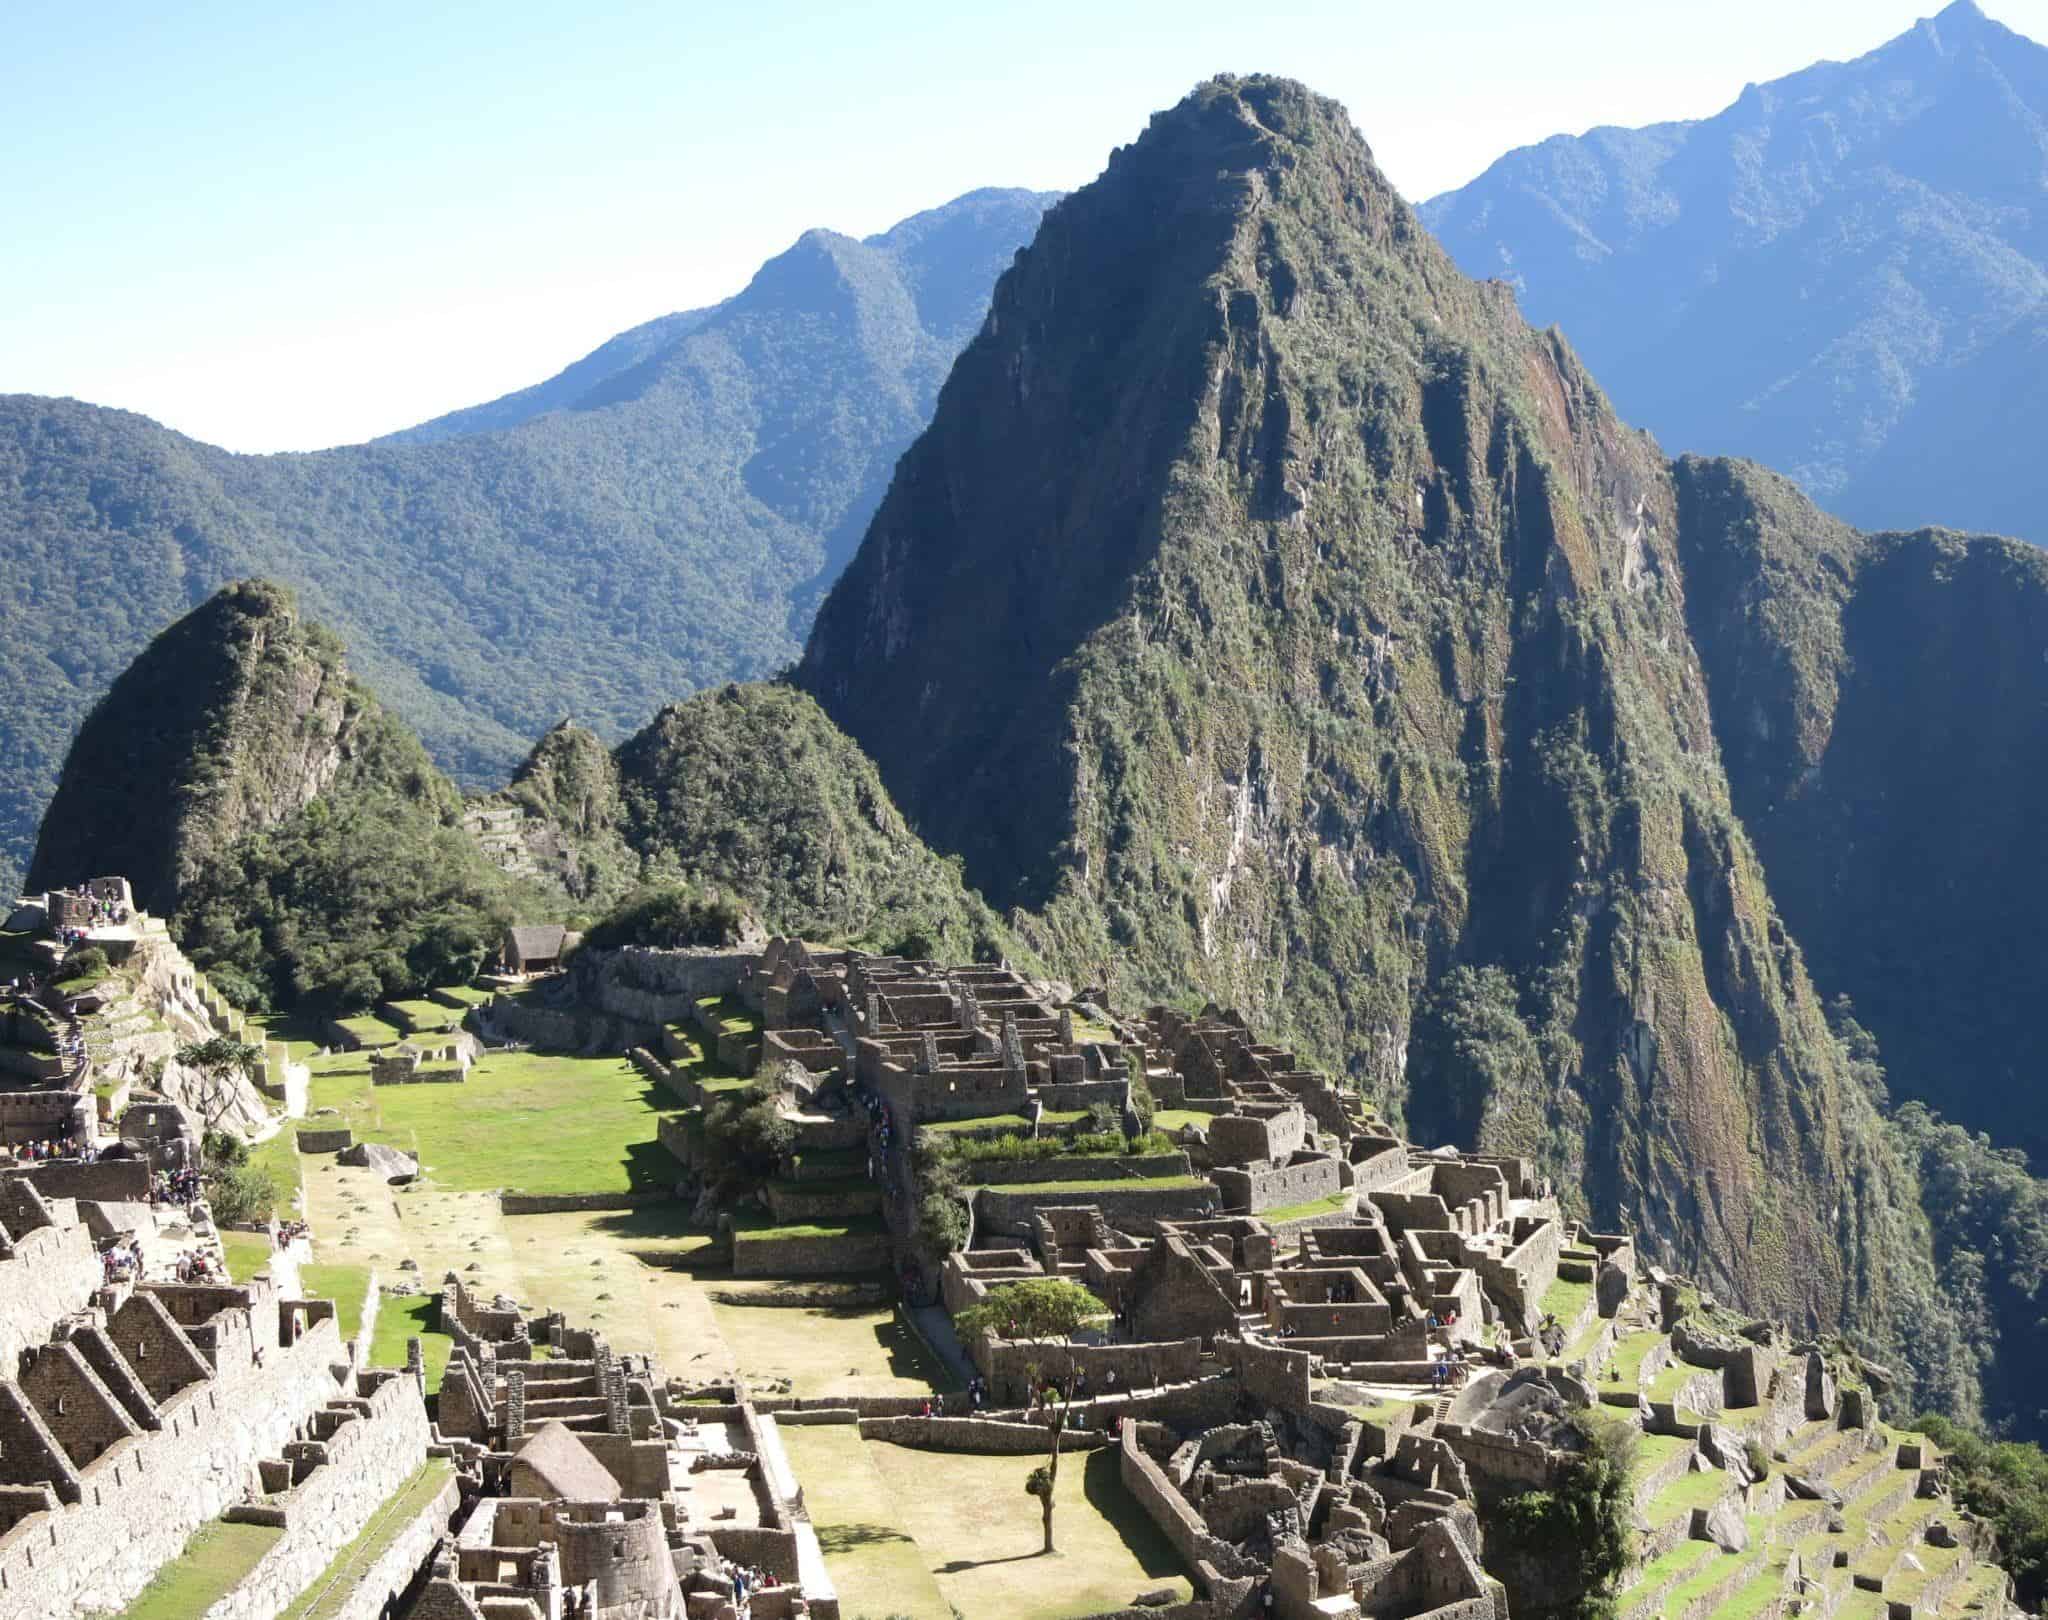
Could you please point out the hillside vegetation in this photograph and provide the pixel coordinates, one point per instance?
(660, 517)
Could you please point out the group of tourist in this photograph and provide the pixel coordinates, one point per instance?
(1446, 1372)
(70, 1146)
(122, 1261)
(197, 1266)
(880, 1131)
(174, 1187)
(746, 1581)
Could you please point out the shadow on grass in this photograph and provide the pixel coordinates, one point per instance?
(960, 1564)
(846, 1538)
(1103, 1485)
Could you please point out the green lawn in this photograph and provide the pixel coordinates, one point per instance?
(536, 1122)
(336, 1584)
(1565, 1299)
(345, 1285)
(216, 1558)
(994, 1122)
(1174, 1119)
(416, 1316)
(247, 1253)
(278, 1157)
(877, 1567)
(425, 1015)
(1314, 1206)
(467, 994)
(754, 1228)
(372, 1032)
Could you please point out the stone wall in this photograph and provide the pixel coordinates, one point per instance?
(1171, 1512)
(367, 1461)
(377, 1589)
(1136, 1209)
(827, 1256)
(143, 1498)
(1253, 1191)
(335, 1139)
(518, 1203)
(51, 1273)
(986, 1436)
(106, 1181)
(1275, 1376)
(1079, 1167)
(1006, 1363)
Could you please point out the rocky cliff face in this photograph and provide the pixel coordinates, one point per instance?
(1282, 618)
(230, 721)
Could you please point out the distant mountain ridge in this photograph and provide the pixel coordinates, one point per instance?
(1843, 275)
(660, 517)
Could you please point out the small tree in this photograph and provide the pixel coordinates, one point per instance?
(219, 1063)
(1044, 1308)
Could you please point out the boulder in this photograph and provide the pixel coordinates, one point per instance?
(1820, 1388)
(1725, 1527)
(1758, 1332)
(1858, 1410)
(1157, 1597)
(1701, 1347)
(388, 1162)
(1940, 1534)
(1610, 1288)
(1725, 1448)
(1812, 1490)
(1879, 1377)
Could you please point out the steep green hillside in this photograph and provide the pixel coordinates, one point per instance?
(1276, 611)
(752, 791)
(1879, 701)
(659, 518)
(230, 722)
(1844, 274)
(242, 780)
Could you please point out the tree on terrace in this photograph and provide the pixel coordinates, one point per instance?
(1043, 1308)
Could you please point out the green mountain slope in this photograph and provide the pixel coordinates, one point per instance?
(1880, 702)
(659, 518)
(1278, 614)
(1843, 275)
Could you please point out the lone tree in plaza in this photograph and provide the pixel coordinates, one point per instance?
(1044, 1308)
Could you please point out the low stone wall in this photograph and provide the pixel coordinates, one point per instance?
(1272, 1375)
(988, 1436)
(810, 1256)
(518, 1203)
(1007, 1363)
(105, 1181)
(1080, 1167)
(791, 1202)
(1176, 1518)
(337, 1139)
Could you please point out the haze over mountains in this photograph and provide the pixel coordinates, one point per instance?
(1843, 275)
(660, 516)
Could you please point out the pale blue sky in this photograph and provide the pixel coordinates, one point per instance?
(281, 227)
